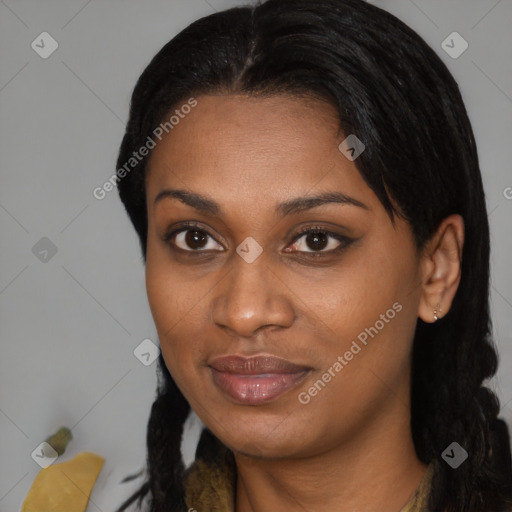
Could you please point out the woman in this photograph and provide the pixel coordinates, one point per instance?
(304, 182)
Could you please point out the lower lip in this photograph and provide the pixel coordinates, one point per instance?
(256, 389)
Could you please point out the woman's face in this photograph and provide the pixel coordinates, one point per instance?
(338, 305)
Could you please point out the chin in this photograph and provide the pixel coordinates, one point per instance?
(262, 437)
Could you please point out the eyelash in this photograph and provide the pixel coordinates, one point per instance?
(190, 226)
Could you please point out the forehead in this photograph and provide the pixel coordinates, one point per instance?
(267, 148)
(241, 124)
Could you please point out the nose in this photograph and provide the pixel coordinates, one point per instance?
(251, 297)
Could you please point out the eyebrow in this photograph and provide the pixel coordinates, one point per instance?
(298, 204)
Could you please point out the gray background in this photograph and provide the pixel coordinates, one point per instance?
(69, 325)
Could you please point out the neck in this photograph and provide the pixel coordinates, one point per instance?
(379, 470)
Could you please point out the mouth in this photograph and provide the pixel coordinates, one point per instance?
(256, 380)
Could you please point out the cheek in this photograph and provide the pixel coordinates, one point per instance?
(370, 310)
(177, 308)
(162, 295)
(163, 292)
(169, 297)
(352, 297)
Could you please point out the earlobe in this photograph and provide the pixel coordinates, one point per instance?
(441, 269)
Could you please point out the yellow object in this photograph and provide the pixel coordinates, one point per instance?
(64, 486)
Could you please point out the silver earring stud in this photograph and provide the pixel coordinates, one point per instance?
(438, 308)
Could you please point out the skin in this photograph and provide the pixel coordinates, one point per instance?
(350, 447)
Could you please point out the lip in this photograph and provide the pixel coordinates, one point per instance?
(256, 380)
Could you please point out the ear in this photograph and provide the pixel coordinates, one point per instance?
(440, 265)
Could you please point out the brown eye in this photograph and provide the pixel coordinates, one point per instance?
(319, 241)
(191, 239)
(195, 239)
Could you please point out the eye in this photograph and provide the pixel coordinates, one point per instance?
(191, 238)
(317, 241)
